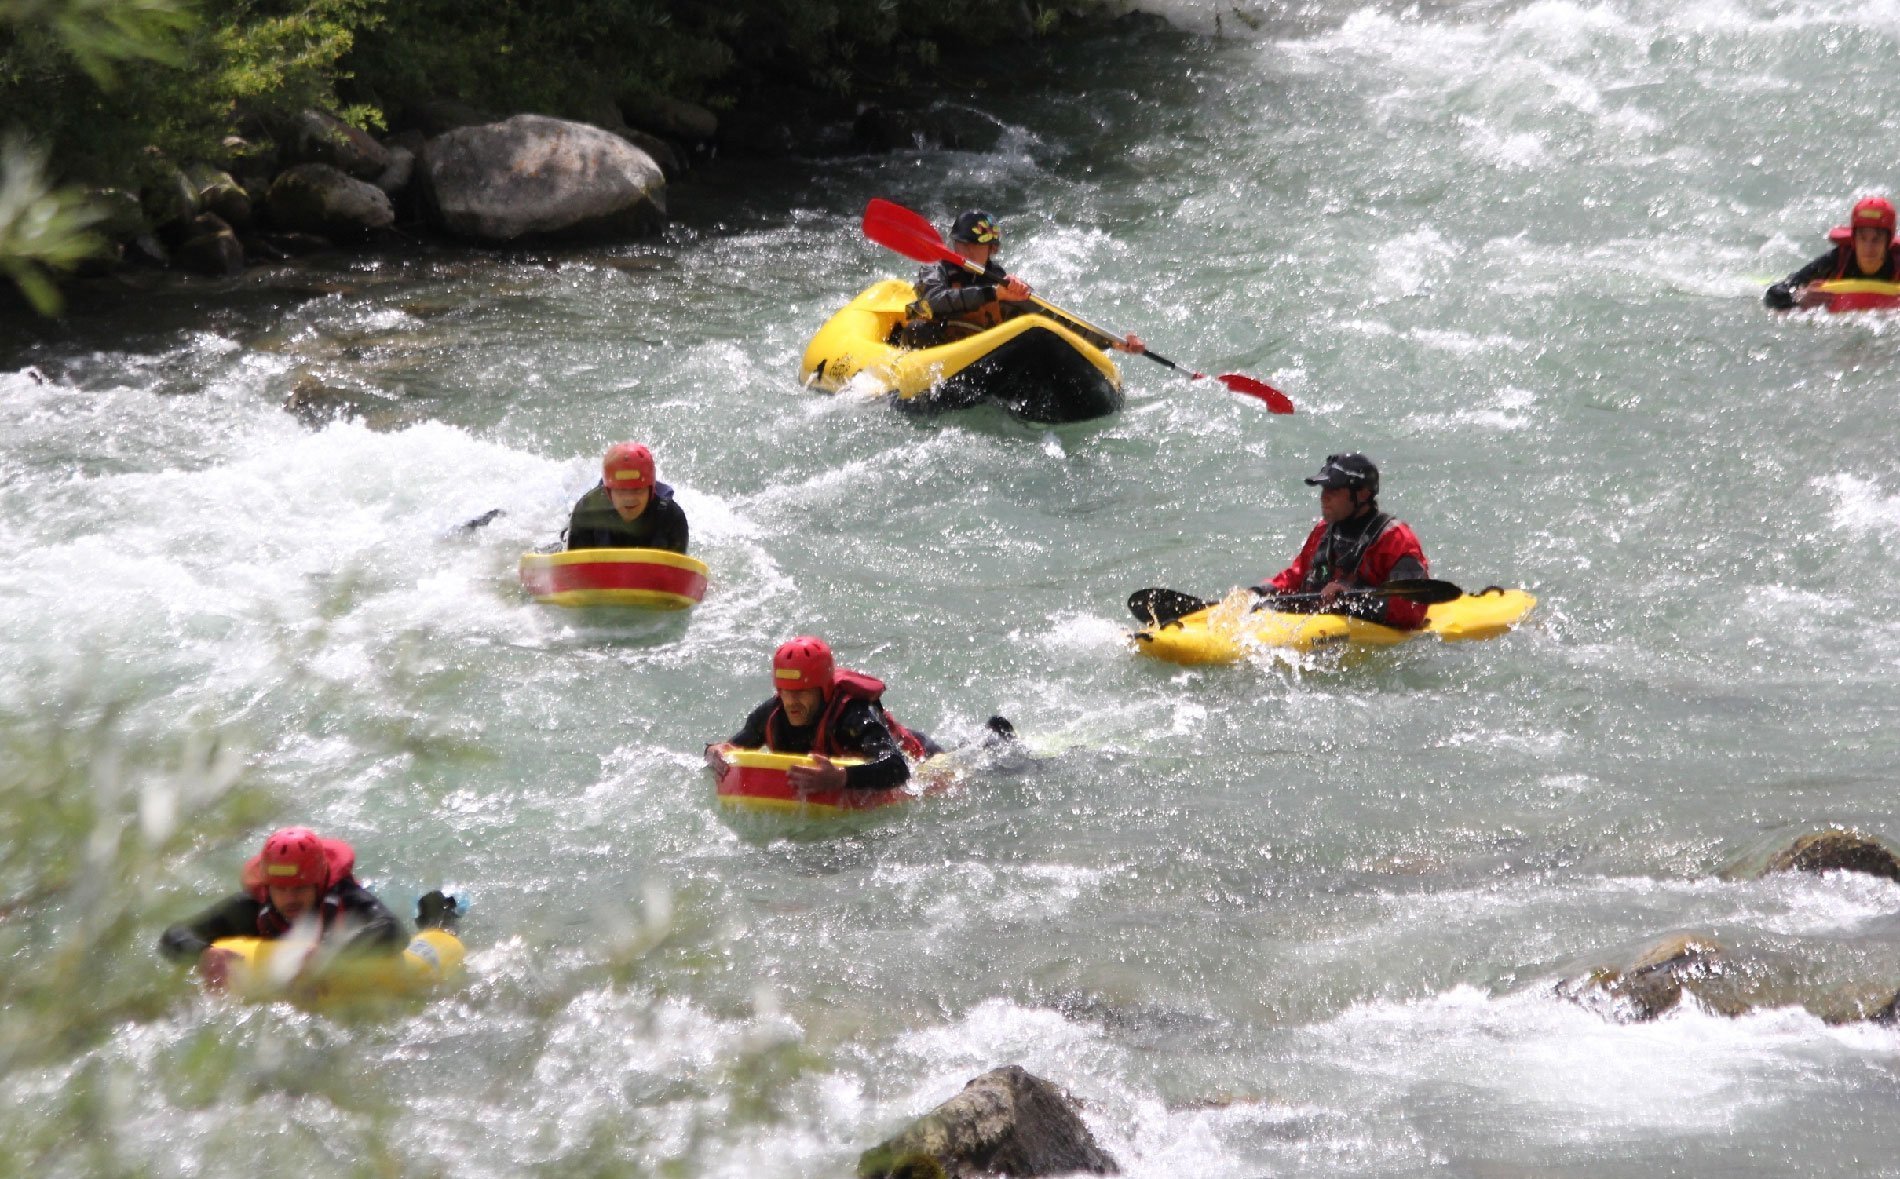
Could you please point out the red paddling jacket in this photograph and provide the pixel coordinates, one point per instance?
(1362, 552)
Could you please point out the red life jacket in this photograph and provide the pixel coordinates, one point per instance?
(846, 686)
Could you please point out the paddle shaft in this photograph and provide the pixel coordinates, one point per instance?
(1147, 603)
(893, 226)
(950, 255)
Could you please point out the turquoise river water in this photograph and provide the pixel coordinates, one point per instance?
(1297, 916)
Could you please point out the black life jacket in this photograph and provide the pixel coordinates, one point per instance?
(846, 686)
(1337, 558)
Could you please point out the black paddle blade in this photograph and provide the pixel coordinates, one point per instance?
(1156, 606)
(1420, 589)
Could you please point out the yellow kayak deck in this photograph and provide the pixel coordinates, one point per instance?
(1230, 630)
(1033, 366)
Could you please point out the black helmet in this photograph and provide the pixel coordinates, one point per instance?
(976, 227)
(1347, 470)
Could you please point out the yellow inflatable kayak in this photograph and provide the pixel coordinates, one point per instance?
(1231, 629)
(1033, 366)
(432, 960)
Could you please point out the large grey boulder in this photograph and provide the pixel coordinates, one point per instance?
(533, 176)
(1005, 1122)
(318, 137)
(316, 198)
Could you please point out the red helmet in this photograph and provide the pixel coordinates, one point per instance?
(627, 465)
(1872, 213)
(295, 857)
(803, 662)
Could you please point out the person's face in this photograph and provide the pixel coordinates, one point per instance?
(630, 501)
(293, 901)
(802, 705)
(978, 252)
(1337, 504)
(1870, 247)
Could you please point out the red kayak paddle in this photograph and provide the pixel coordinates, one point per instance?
(894, 227)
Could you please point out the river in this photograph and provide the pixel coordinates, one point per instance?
(1298, 916)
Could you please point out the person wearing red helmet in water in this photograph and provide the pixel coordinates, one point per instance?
(953, 303)
(298, 878)
(1354, 546)
(1863, 249)
(829, 711)
(629, 509)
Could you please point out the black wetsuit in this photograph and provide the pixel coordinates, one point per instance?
(596, 525)
(1830, 265)
(858, 732)
(366, 922)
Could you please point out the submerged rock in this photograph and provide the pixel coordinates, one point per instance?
(1005, 1122)
(1654, 980)
(317, 405)
(532, 176)
(1837, 850)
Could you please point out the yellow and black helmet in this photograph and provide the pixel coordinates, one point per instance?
(977, 227)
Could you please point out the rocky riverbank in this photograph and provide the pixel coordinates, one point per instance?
(451, 172)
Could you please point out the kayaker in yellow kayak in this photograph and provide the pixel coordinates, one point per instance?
(1354, 546)
(827, 711)
(1862, 249)
(629, 509)
(953, 303)
(299, 879)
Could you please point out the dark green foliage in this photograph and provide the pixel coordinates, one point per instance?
(98, 81)
(236, 61)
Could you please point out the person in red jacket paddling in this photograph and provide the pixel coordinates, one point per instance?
(1862, 249)
(828, 711)
(1354, 546)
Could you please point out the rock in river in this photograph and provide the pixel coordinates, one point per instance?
(533, 176)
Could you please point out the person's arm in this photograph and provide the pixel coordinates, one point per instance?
(751, 735)
(188, 940)
(368, 925)
(1787, 294)
(945, 299)
(862, 731)
(1393, 556)
(583, 524)
(669, 527)
(1289, 580)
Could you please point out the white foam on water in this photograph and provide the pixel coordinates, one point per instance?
(1552, 1070)
(1861, 510)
